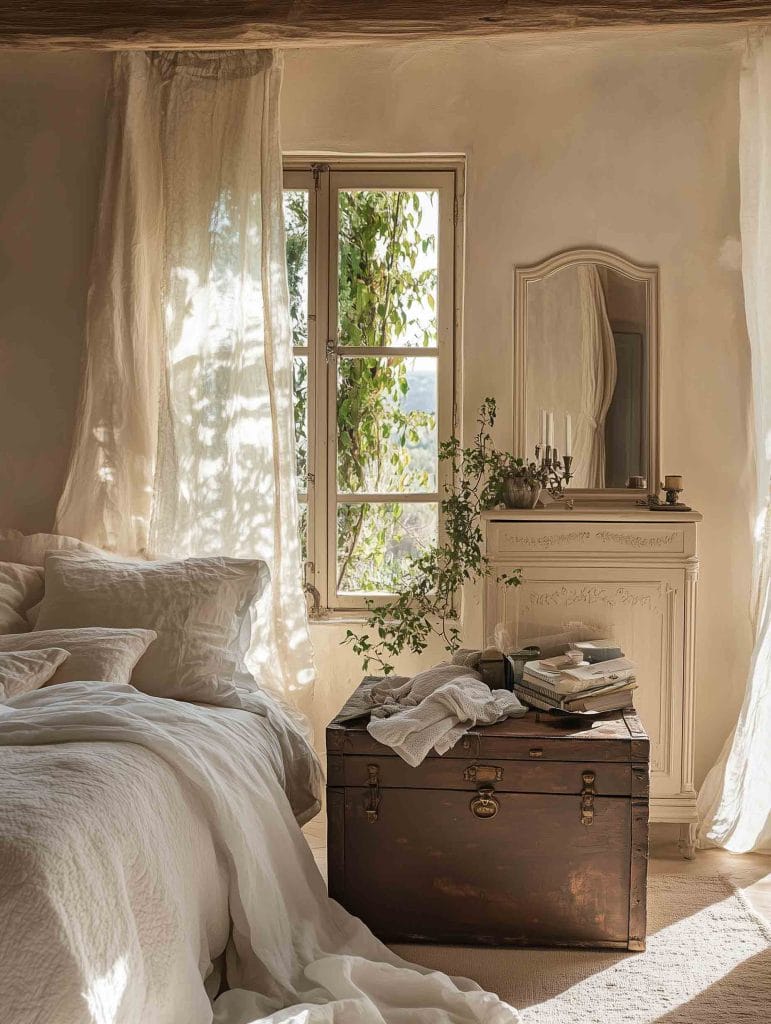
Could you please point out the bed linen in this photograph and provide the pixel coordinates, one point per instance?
(142, 838)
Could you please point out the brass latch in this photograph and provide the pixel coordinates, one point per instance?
(484, 804)
(483, 773)
(587, 798)
(372, 800)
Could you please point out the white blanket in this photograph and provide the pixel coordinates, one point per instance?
(434, 709)
(139, 839)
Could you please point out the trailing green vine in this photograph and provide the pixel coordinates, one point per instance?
(425, 603)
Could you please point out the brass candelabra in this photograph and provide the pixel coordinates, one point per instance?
(556, 471)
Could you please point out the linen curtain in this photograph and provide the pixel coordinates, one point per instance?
(735, 801)
(185, 442)
(599, 373)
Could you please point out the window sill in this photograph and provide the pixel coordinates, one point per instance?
(340, 619)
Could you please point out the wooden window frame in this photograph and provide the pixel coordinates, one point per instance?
(323, 179)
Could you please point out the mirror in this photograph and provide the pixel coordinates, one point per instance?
(587, 368)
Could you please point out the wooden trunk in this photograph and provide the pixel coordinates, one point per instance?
(529, 832)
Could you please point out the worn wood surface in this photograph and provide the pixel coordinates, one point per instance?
(203, 24)
(638, 876)
(427, 869)
(516, 776)
(531, 738)
(336, 842)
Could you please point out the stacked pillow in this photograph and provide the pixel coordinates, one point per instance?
(22, 671)
(21, 587)
(94, 654)
(176, 629)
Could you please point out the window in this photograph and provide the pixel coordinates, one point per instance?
(371, 269)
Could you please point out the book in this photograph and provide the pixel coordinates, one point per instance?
(579, 678)
(614, 698)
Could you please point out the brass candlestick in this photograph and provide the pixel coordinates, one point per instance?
(556, 471)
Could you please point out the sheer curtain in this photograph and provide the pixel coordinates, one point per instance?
(599, 373)
(735, 800)
(184, 443)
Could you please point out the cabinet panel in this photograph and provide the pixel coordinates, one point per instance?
(642, 608)
(506, 539)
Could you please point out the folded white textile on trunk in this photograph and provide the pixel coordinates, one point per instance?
(73, 929)
(434, 709)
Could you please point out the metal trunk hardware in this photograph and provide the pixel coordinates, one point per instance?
(587, 798)
(484, 804)
(372, 800)
(483, 773)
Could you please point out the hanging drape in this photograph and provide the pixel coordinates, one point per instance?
(184, 443)
(735, 800)
(599, 372)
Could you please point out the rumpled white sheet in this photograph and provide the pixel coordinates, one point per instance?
(434, 709)
(141, 837)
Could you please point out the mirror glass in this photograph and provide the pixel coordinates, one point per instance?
(587, 367)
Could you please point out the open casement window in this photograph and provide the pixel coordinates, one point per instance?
(371, 257)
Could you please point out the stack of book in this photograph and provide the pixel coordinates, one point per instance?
(577, 687)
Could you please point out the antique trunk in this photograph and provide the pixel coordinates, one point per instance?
(530, 832)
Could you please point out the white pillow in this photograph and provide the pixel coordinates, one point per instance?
(22, 671)
(21, 587)
(197, 607)
(95, 654)
(32, 548)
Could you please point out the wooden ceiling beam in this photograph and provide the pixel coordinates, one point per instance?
(214, 24)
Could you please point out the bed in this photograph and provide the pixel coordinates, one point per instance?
(152, 867)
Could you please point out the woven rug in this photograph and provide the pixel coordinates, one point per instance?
(708, 961)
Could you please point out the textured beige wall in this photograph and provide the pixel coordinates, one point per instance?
(51, 145)
(626, 142)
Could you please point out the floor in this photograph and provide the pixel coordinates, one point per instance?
(750, 872)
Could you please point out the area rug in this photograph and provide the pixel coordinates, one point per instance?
(708, 961)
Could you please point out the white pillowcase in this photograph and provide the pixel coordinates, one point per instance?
(95, 654)
(198, 607)
(22, 671)
(31, 549)
(21, 587)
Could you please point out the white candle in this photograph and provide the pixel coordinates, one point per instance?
(550, 429)
(543, 427)
(568, 434)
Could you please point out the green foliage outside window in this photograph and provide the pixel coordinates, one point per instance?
(385, 444)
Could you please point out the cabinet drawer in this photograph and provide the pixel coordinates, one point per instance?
(507, 540)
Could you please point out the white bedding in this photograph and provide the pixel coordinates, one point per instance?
(141, 838)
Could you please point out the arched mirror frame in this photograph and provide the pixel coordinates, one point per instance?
(647, 275)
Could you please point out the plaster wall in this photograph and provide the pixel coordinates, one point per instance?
(625, 141)
(621, 142)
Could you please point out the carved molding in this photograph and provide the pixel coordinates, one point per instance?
(610, 595)
(545, 541)
(640, 541)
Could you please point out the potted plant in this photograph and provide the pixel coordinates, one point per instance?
(521, 481)
(425, 602)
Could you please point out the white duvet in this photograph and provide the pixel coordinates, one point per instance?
(142, 838)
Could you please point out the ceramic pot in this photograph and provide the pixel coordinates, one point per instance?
(519, 494)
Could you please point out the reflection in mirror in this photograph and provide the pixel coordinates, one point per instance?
(587, 356)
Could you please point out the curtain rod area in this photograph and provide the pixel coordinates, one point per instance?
(248, 24)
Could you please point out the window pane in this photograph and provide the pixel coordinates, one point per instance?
(302, 529)
(373, 541)
(387, 267)
(300, 382)
(296, 225)
(386, 425)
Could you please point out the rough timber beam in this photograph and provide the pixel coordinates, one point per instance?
(212, 24)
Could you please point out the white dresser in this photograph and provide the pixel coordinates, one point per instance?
(631, 574)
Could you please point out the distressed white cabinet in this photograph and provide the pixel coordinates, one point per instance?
(631, 574)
